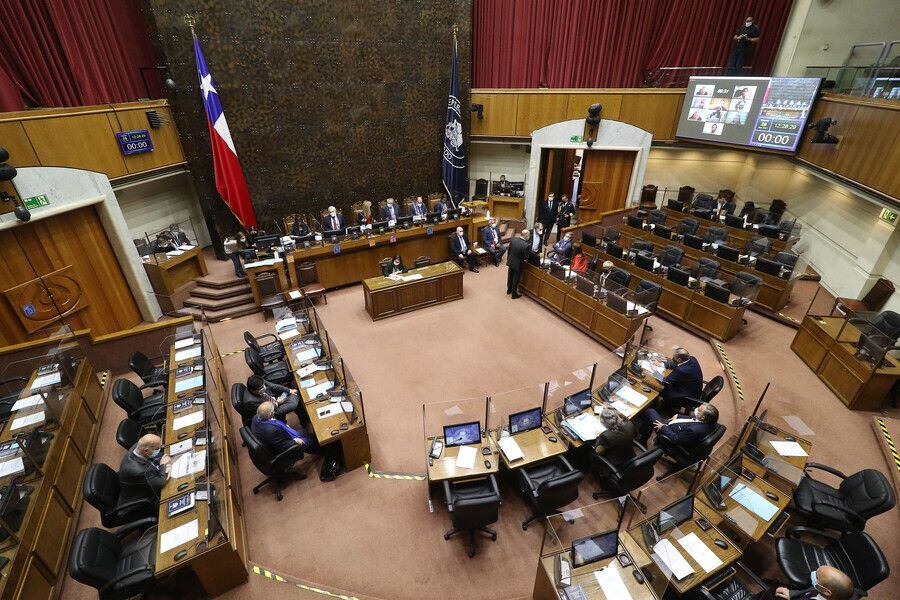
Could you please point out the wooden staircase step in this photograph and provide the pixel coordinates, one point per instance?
(219, 303)
(214, 282)
(214, 316)
(218, 293)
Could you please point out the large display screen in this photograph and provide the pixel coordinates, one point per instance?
(766, 112)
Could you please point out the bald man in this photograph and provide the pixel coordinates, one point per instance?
(276, 435)
(685, 381)
(144, 470)
(828, 583)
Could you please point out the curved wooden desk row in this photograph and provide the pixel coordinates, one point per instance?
(688, 307)
(774, 293)
(592, 316)
(734, 233)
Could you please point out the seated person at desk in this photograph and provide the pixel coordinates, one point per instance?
(162, 244)
(144, 470)
(579, 260)
(390, 211)
(828, 583)
(681, 430)
(364, 217)
(299, 228)
(503, 186)
(177, 235)
(684, 381)
(562, 250)
(394, 267)
(418, 208)
(726, 206)
(276, 435)
(441, 206)
(616, 443)
(461, 250)
(283, 398)
(493, 242)
(605, 269)
(332, 221)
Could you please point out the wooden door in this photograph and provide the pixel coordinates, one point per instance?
(604, 182)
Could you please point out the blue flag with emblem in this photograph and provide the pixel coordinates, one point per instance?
(455, 167)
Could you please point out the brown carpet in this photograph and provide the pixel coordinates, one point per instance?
(376, 538)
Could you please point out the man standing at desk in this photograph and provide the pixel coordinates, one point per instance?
(390, 212)
(515, 262)
(333, 221)
(144, 470)
(461, 250)
(549, 210)
(419, 210)
(685, 381)
(493, 241)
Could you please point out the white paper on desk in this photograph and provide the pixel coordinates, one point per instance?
(673, 559)
(622, 407)
(610, 580)
(186, 354)
(180, 535)
(640, 309)
(294, 295)
(284, 335)
(586, 426)
(753, 501)
(32, 400)
(185, 247)
(188, 464)
(11, 467)
(286, 323)
(188, 383)
(466, 457)
(304, 371)
(631, 395)
(788, 448)
(700, 552)
(45, 380)
(307, 354)
(184, 343)
(307, 383)
(182, 446)
(323, 412)
(172, 253)
(480, 251)
(412, 277)
(320, 388)
(27, 420)
(510, 448)
(261, 263)
(187, 420)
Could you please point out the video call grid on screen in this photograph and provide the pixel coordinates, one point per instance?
(766, 112)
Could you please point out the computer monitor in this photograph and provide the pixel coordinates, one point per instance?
(379, 226)
(675, 205)
(677, 275)
(716, 292)
(526, 420)
(462, 434)
(432, 217)
(586, 286)
(644, 261)
(617, 302)
(588, 239)
(770, 267)
(703, 213)
(663, 231)
(675, 514)
(733, 221)
(404, 221)
(615, 381)
(693, 241)
(578, 401)
(454, 213)
(635, 222)
(728, 253)
(352, 230)
(300, 239)
(332, 233)
(715, 489)
(264, 242)
(557, 270)
(614, 250)
(595, 548)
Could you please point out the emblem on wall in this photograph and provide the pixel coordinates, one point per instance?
(45, 300)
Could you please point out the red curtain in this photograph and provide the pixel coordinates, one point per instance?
(73, 53)
(611, 43)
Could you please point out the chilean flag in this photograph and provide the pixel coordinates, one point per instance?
(229, 176)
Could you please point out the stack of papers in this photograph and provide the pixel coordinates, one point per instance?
(11, 467)
(630, 395)
(610, 580)
(672, 559)
(179, 536)
(187, 464)
(284, 335)
(466, 457)
(622, 407)
(307, 355)
(172, 253)
(304, 371)
(700, 552)
(510, 448)
(585, 426)
(186, 354)
(295, 294)
(182, 446)
(788, 448)
(187, 420)
(285, 324)
(27, 420)
(412, 277)
(33, 400)
(44, 381)
(321, 388)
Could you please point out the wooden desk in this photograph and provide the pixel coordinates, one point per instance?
(575, 441)
(277, 269)
(170, 275)
(506, 207)
(445, 469)
(438, 283)
(358, 259)
(717, 516)
(535, 445)
(545, 588)
(592, 316)
(738, 235)
(855, 381)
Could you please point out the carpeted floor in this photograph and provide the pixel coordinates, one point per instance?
(376, 537)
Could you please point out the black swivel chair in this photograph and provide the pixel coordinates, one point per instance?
(11, 390)
(759, 246)
(611, 235)
(473, 506)
(116, 568)
(710, 390)
(872, 327)
(129, 398)
(274, 467)
(619, 480)
(101, 490)
(788, 259)
(716, 234)
(658, 217)
(641, 246)
(548, 486)
(704, 202)
(647, 293)
(237, 402)
(769, 231)
(688, 227)
(150, 373)
(706, 267)
(671, 256)
(854, 553)
(276, 371)
(858, 498)
(684, 457)
(270, 351)
(128, 433)
(619, 276)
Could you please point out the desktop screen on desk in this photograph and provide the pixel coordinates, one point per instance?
(462, 434)
(596, 547)
(525, 421)
(676, 513)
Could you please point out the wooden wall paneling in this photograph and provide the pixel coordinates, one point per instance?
(166, 143)
(824, 155)
(885, 160)
(499, 114)
(579, 103)
(653, 112)
(15, 140)
(538, 110)
(604, 182)
(81, 141)
(862, 150)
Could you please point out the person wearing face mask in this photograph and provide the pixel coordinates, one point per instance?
(177, 235)
(461, 250)
(394, 267)
(419, 210)
(299, 227)
(285, 399)
(536, 243)
(162, 244)
(277, 436)
(144, 470)
(562, 250)
(493, 241)
(826, 583)
(515, 262)
(681, 430)
(744, 41)
(564, 218)
(391, 211)
(333, 221)
(547, 215)
(684, 381)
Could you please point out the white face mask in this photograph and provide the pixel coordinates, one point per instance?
(332, 213)
(748, 23)
(459, 233)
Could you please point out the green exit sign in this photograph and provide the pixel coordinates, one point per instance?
(888, 216)
(37, 201)
(575, 138)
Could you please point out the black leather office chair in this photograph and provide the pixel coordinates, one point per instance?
(878, 333)
(237, 402)
(548, 486)
(128, 433)
(619, 276)
(269, 351)
(422, 261)
(716, 234)
(746, 285)
(887, 322)
(647, 293)
(706, 267)
(118, 565)
(10, 390)
(671, 256)
(150, 373)
(854, 553)
(618, 480)
(101, 490)
(739, 583)
(129, 398)
(688, 227)
(658, 217)
(276, 371)
(788, 259)
(611, 235)
(473, 506)
(274, 467)
(641, 246)
(769, 231)
(704, 202)
(684, 457)
(759, 246)
(712, 388)
(858, 498)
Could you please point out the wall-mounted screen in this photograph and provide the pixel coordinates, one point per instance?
(765, 112)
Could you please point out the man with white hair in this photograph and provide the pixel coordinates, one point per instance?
(144, 470)
(276, 435)
(333, 221)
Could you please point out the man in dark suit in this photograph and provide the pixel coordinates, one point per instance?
(684, 381)
(418, 208)
(391, 211)
(681, 430)
(275, 435)
(726, 206)
(144, 470)
(162, 244)
(395, 266)
(503, 186)
(441, 206)
(333, 221)
(616, 443)
(564, 218)
(562, 250)
(828, 583)
(547, 213)
(515, 262)
(299, 228)
(177, 235)
(285, 399)
(492, 240)
(461, 250)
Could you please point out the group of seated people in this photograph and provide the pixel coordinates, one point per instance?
(334, 223)
(169, 240)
